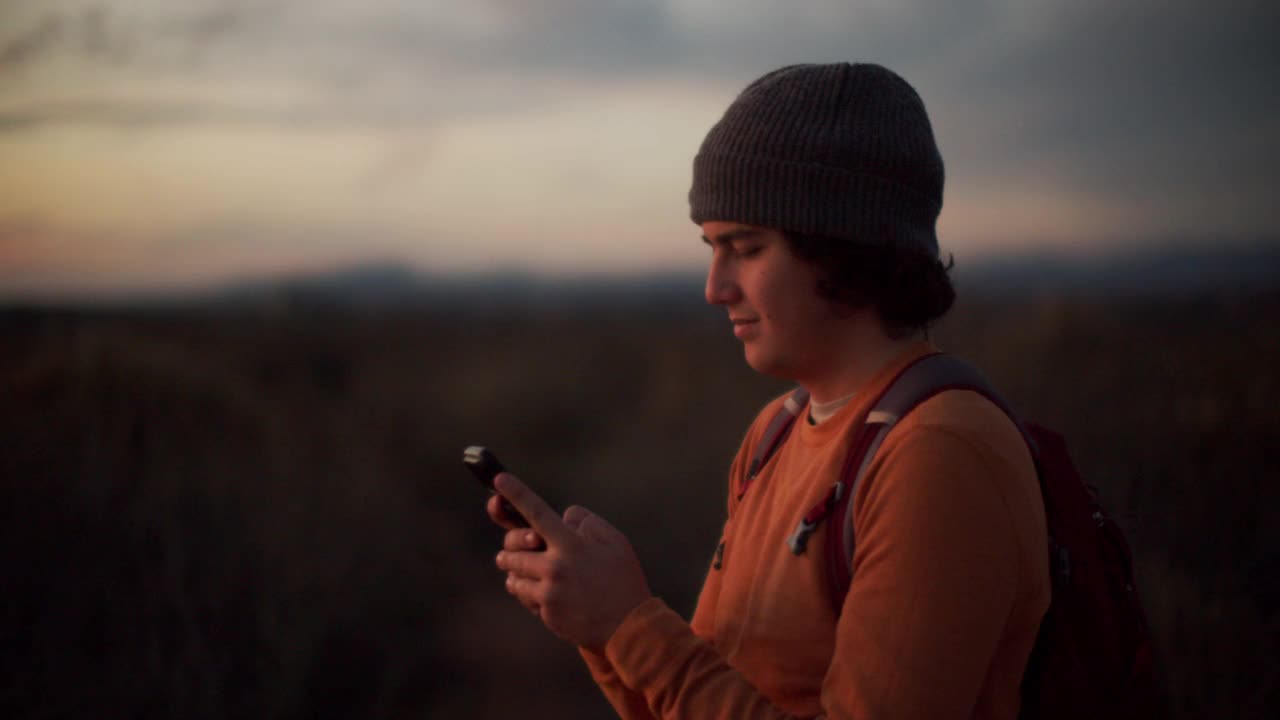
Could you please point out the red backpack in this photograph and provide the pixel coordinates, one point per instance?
(1092, 657)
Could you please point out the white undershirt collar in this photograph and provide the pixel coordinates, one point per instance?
(820, 412)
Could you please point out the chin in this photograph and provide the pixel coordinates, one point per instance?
(767, 363)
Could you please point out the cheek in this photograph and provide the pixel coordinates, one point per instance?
(770, 301)
(784, 299)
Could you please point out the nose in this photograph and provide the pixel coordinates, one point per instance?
(722, 287)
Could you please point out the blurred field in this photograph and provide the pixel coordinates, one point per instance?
(246, 513)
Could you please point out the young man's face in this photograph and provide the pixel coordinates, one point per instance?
(772, 300)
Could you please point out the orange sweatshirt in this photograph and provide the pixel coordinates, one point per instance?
(950, 581)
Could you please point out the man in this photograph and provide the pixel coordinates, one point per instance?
(817, 193)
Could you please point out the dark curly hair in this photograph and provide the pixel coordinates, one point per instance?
(909, 289)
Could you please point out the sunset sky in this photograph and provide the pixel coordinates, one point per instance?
(167, 144)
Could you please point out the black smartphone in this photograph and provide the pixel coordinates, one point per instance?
(486, 466)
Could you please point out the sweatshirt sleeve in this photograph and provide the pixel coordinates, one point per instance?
(632, 705)
(629, 704)
(935, 579)
(679, 674)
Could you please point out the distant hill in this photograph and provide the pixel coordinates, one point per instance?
(1160, 271)
(390, 284)
(1168, 270)
(1176, 270)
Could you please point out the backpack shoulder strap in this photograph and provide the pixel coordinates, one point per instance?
(777, 430)
(931, 375)
(926, 377)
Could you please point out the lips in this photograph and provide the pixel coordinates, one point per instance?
(744, 328)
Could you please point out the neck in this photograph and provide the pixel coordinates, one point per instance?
(850, 370)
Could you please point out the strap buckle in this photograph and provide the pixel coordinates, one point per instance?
(800, 538)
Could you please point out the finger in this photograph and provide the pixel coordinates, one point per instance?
(596, 528)
(499, 516)
(528, 603)
(524, 590)
(531, 565)
(540, 515)
(521, 539)
(574, 516)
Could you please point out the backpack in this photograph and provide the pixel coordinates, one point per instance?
(1092, 656)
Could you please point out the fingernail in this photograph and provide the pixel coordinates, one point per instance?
(501, 482)
(497, 559)
(530, 537)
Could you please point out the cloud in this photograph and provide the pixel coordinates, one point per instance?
(80, 30)
(1168, 108)
(1144, 116)
(388, 64)
(1098, 76)
(1077, 86)
(32, 43)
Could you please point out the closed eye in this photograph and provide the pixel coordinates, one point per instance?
(742, 242)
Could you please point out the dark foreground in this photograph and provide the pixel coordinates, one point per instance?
(261, 513)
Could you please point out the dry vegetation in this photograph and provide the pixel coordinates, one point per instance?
(263, 514)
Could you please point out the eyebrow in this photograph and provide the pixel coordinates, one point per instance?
(731, 235)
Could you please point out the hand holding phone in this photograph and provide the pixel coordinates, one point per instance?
(485, 466)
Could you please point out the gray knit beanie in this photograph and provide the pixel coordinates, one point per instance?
(843, 151)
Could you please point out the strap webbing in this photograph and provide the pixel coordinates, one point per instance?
(926, 377)
(777, 431)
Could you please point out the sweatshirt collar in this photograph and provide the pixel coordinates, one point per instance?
(837, 425)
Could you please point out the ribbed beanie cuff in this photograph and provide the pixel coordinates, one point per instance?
(844, 151)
